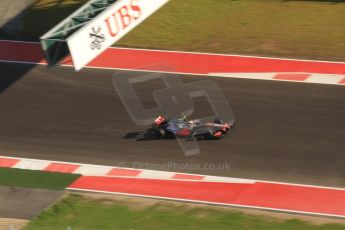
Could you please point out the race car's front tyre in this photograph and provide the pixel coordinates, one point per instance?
(162, 132)
(192, 137)
(156, 133)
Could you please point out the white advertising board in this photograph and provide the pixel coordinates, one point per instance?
(109, 27)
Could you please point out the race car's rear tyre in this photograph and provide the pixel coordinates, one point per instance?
(218, 121)
(216, 134)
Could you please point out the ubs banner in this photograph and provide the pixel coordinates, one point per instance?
(109, 27)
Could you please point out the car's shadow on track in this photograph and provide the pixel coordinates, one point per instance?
(148, 135)
(143, 136)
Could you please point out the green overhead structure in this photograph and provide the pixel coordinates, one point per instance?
(93, 28)
(54, 42)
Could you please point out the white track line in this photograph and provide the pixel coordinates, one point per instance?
(325, 78)
(212, 203)
(201, 53)
(223, 75)
(92, 170)
(314, 78)
(240, 180)
(31, 164)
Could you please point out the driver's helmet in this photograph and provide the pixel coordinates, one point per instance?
(184, 118)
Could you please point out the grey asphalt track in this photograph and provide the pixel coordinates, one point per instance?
(289, 132)
(25, 203)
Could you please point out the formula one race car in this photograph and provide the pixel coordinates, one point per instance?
(193, 129)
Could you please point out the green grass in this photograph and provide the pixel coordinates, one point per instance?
(81, 213)
(35, 179)
(45, 14)
(302, 29)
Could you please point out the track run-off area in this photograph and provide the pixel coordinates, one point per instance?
(286, 131)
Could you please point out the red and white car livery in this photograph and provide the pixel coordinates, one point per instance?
(193, 129)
